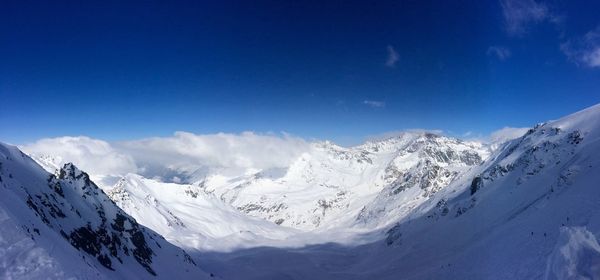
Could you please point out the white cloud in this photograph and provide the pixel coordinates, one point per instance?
(188, 151)
(502, 53)
(374, 104)
(91, 155)
(173, 158)
(585, 50)
(392, 57)
(506, 134)
(520, 14)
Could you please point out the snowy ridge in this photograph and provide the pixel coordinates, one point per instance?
(68, 213)
(530, 196)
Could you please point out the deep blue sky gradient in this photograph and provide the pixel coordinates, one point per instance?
(116, 71)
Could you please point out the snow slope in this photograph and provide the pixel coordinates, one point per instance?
(188, 217)
(506, 220)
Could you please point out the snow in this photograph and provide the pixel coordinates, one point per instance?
(576, 255)
(188, 217)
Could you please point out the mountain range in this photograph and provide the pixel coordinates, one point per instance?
(418, 205)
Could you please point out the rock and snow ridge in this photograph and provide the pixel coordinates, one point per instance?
(529, 212)
(62, 225)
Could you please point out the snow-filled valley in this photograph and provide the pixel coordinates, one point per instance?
(418, 205)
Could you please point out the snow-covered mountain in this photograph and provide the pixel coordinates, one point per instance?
(62, 226)
(415, 206)
(530, 211)
(328, 187)
(332, 186)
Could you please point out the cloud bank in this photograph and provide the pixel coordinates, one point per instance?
(169, 158)
(92, 155)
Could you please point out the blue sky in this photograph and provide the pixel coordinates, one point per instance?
(340, 70)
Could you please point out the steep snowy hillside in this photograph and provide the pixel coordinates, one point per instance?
(531, 211)
(61, 226)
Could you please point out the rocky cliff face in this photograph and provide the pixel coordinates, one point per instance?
(421, 167)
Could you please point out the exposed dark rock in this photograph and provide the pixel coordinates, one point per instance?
(476, 184)
(575, 137)
(393, 235)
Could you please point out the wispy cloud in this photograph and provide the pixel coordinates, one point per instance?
(506, 134)
(519, 15)
(392, 57)
(502, 53)
(374, 104)
(584, 50)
